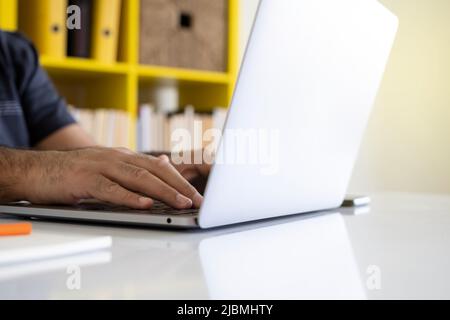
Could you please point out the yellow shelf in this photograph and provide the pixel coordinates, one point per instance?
(156, 72)
(91, 83)
(78, 65)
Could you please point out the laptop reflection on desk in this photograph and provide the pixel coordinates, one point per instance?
(305, 259)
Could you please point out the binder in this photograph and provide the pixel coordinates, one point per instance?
(79, 41)
(105, 31)
(8, 17)
(44, 22)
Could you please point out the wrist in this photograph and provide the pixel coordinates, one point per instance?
(37, 178)
(22, 174)
(28, 167)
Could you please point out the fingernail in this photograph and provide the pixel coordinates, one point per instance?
(198, 200)
(183, 201)
(145, 201)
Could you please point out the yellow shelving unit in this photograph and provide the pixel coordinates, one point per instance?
(8, 15)
(152, 72)
(89, 83)
(72, 65)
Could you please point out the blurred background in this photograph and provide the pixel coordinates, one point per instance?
(407, 144)
(131, 73)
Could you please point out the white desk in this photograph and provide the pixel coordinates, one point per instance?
(400, 249)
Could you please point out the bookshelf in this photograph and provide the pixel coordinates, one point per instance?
(89, 83)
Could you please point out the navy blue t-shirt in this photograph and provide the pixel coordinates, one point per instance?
(30, 107)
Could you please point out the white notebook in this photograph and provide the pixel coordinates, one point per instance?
(46, 245)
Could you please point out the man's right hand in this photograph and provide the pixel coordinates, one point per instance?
(116, 176)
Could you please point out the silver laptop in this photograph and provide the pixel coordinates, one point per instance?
(308, 82)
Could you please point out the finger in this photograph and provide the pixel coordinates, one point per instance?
(187, 171)
(164, 157)
(203, 167)
(189, 174)
(142, 181)
(165, 171)
(106, 190)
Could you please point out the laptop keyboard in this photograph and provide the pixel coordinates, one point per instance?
(158, 208)
(162, 208)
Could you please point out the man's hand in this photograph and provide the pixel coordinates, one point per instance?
(196, 173)
(117, 176)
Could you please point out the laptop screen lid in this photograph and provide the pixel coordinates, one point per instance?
(306, 87)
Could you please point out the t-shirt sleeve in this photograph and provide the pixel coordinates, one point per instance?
(44, 109)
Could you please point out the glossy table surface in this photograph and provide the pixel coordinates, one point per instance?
(399, 247)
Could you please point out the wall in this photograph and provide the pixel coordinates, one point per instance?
(407, 143)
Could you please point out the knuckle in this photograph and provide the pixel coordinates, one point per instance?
(162, 163)
(172, 193)
(144, 157)
(140, 173)
(111, 187)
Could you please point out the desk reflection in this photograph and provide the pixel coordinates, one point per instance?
(306, 259)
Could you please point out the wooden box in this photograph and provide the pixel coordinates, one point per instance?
(184, 33)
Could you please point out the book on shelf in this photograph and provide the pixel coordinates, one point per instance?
(160, 132)
(156, 131)
(108, 127)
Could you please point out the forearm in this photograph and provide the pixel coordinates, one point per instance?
(68, 138)
(15, 165)
(20, 170)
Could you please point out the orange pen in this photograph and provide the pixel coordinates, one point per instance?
(15, 229)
